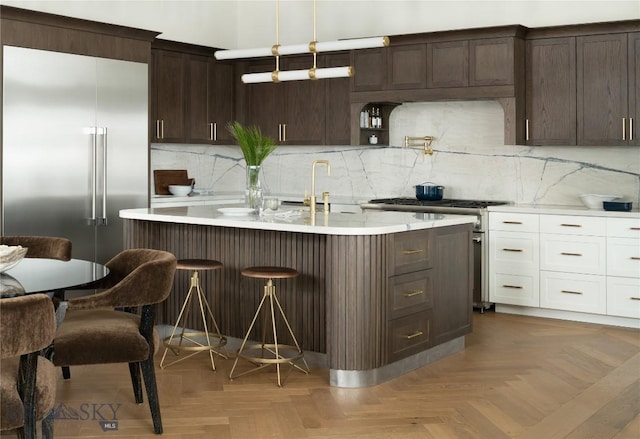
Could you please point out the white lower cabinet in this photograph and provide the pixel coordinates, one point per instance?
(573, 253)
(520, 289)
(623, 257)
(573, 292)
(566, 263)
(514, 262)
(623, 297)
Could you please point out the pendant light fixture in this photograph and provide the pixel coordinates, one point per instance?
(314, 47)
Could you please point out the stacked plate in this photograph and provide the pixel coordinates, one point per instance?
(10, 256)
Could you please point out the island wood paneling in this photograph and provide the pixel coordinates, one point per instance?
(233, 297)
(356, 305)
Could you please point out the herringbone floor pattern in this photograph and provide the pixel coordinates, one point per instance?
(519, 377)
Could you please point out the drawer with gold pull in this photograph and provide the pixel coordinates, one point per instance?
(410, 292)
(411, 251)
(409, 334)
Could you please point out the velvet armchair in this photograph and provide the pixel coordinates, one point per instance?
(117, 325)
(27, 379)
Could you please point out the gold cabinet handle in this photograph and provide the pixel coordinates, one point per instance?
(157, 128)
(162, 129)
(570, 254)
(413, 293)
(571, 225)
(630, 128)
(526, 129)
(412, 252)
(284, 132)
(414, 335)
(634, 298)
(635, 258)
(624, 128)
(279, 132)
(517, 287)
(634, 228)
(517, 250)
(570, 292)
(511, 222)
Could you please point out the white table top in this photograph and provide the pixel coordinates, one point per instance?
(366, 223)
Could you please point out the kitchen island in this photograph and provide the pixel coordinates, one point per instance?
(379, 293)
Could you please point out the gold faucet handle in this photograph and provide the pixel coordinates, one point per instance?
(325, 199)
(307, 199)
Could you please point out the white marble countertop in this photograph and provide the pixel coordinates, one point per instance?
(563, 210)
(299, 220)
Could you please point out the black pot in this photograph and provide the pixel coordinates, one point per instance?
(429, 192)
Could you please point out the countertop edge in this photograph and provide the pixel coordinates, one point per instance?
(563, 210)
(389, 222)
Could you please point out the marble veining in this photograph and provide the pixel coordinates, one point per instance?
(469, 159)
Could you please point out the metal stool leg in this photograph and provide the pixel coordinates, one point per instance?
(195, 346)
(276, 348)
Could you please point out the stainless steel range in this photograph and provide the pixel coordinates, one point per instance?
(458, 207)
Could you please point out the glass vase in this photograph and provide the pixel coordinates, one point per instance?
(253, 191)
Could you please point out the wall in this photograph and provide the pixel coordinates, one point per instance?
(359, 18)
(251, 23)
(470, 159)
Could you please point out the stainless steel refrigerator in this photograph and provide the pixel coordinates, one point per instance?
(75, 147)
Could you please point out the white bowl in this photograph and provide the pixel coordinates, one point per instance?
(594, 201)
(179, 190)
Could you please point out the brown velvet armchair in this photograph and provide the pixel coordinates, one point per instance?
(93, 332)
(27, 380)
(41, 246)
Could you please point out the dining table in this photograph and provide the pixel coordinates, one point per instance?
(41, 275)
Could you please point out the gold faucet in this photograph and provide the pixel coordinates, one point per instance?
(311, 200)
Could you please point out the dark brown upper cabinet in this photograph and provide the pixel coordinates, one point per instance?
(168, 99)
(491, 62)
(470, 63)
(634, 88)
(337, 128)
(604, 69)
(191, 95)
(370, 70)
(210, 100)
(551, 91)
(406, 67)
(299, 112)
(448, 64)
(390, 68)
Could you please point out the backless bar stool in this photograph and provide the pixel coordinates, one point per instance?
(185, 341)
(270, 353)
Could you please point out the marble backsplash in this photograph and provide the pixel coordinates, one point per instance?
(469, 159)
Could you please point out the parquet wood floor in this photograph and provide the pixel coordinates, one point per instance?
(519, 377)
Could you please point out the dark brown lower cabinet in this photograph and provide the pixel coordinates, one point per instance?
(365, 301)
(453, 274)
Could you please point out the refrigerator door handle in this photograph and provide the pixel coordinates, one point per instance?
(91, 221)
(102, 221)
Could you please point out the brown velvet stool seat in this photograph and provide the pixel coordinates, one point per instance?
(276, 353)
(199, 341)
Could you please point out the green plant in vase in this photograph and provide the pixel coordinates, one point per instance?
(255, 147)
